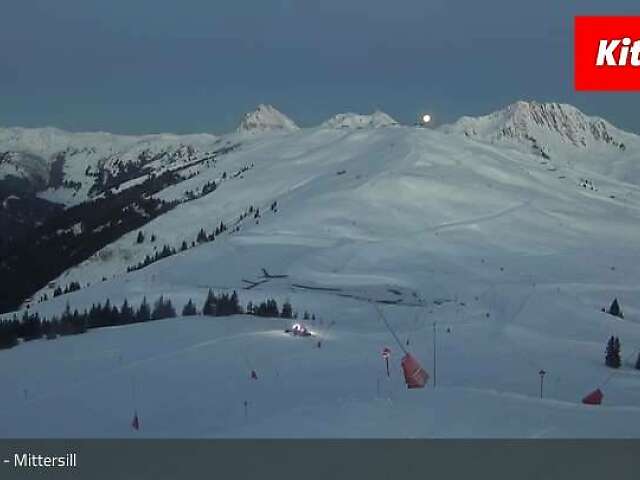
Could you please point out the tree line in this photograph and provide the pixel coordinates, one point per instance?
(202, 237)
(168, 251)
(52, 246)
(31, 326)
(47, 250)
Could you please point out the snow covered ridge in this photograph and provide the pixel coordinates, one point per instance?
(48, 141)
(24, 166)
(264, 119)
(541, 125)
(353, 120)
(70, 168)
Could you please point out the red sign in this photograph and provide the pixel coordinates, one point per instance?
(607, 53)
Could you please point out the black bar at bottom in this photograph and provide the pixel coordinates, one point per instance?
(327, 459)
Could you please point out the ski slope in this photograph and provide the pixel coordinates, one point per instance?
(504, 249)
(190, 377)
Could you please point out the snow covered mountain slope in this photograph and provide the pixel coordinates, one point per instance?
(266, 118)
(513, 258)
(521, 121)
(74, 167)
(353, 120)
(191, 377)
(363, 184)
(33, 169)
(559, 133)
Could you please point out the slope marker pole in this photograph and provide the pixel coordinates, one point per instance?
(434, 355)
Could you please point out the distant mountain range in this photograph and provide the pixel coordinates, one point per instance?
(51, 181)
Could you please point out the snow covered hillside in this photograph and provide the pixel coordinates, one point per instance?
(512, 253)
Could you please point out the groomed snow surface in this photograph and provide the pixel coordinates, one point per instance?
(504, 249)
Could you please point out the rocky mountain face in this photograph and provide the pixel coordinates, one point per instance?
(543, 127)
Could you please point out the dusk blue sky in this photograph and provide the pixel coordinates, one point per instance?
(141, 66)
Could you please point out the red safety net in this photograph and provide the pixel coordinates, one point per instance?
(594, 398)
(414, 375)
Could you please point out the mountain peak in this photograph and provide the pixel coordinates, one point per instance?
(540, 125)
(266, 118)
(354, 120)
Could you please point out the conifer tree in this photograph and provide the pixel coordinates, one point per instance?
(189, 309)
(51, 329)
(261, 310)
(272, 308)
(162, 309)
(144, 312)
(64, 326)
(209, 308)
(114, 317)
(31, 326)
(127, 315)
(94, 313)
(615, 309)
(612, 358)
(8, 335)
(235, 307)
(287, 310)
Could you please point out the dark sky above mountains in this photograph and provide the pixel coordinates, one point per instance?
(139, 66)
